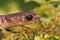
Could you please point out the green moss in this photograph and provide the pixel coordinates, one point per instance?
(55, 4)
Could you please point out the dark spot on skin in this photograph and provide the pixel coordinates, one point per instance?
(29, 17)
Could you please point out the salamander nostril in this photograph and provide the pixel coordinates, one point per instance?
(29, 17)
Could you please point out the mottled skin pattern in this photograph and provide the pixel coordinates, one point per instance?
(18, 19)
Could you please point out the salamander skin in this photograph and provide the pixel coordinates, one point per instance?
(18, 19)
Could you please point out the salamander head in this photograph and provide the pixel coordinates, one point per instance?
(31, 18)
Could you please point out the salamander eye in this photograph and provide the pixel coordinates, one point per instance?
(29, 17)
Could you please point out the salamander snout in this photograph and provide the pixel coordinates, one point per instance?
(29, 17)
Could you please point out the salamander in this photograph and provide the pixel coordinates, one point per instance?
(18, 19)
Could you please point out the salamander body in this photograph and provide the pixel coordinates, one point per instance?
(18, 19)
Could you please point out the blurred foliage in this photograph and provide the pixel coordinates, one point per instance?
(25, 6)
(22, 5)
(55, 3)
